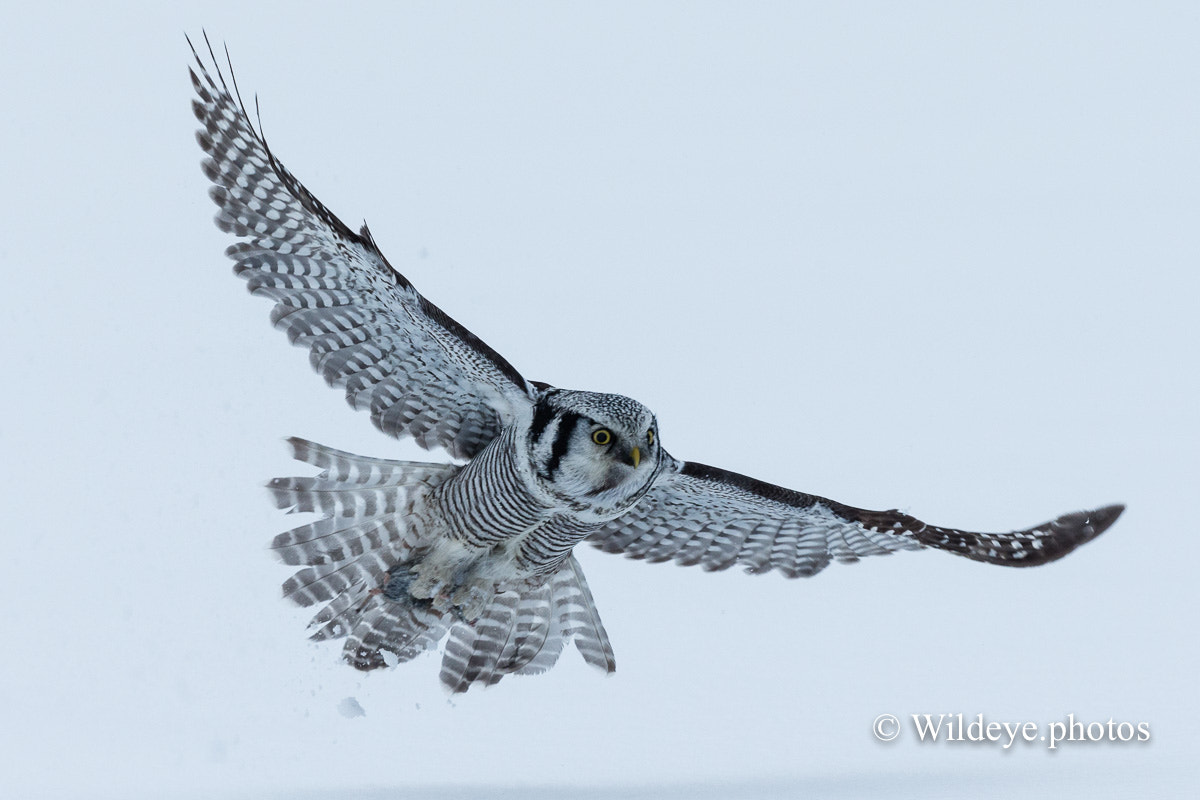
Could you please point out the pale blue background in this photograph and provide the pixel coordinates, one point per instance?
(938, 256)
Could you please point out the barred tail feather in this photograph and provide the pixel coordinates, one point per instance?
(368, 526)
(473, 651)
(530, 631)
(547, 650)
(524, 633)
(582, 621)
(388, 632)
(334, 540)
(313, 585)
(336, 619)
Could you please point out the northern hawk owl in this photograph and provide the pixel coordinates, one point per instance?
(408, 552)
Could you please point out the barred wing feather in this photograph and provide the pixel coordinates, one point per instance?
(703, 515)
(417, 371)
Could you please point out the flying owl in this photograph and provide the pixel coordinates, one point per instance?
(408, 553)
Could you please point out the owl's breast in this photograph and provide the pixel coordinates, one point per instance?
(504, 526)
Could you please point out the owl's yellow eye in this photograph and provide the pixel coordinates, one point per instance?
(650, 436)
(602, 436)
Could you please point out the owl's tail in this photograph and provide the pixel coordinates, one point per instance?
(524, 633)
(518, 632)
(368, 527)
(354, 560)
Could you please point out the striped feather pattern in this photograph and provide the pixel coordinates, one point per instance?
(698, 514)
(577, 613)
(388, 633)
(369, 525)
(490, 503)
(417, 371)
(473, 651)
(527, 638)
(524, 633)
(374, 512)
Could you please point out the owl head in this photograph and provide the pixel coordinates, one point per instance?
(597, 453)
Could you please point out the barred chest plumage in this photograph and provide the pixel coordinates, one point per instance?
(491, 529)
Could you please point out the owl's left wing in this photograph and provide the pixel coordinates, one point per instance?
(698, 514)
(368, 330)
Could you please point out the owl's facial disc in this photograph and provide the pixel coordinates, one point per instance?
(615, 445)
(596, 449)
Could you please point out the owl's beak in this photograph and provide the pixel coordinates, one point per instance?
(636, 456)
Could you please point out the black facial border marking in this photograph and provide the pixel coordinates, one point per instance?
(566, 426)
(542, 415)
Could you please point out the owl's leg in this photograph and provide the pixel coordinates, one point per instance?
(468, 601)
(461, 593)
(399, 579)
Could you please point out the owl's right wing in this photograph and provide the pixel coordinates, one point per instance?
(698, 514)
(416, 370)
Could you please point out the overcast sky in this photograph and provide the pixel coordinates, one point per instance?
(939, 257)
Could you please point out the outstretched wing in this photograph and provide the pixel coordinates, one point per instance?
(416, 370)
(698, 514)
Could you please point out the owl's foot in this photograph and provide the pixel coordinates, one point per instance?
(398, 587)
(469, 601)
(399, 580)
(465, 599)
